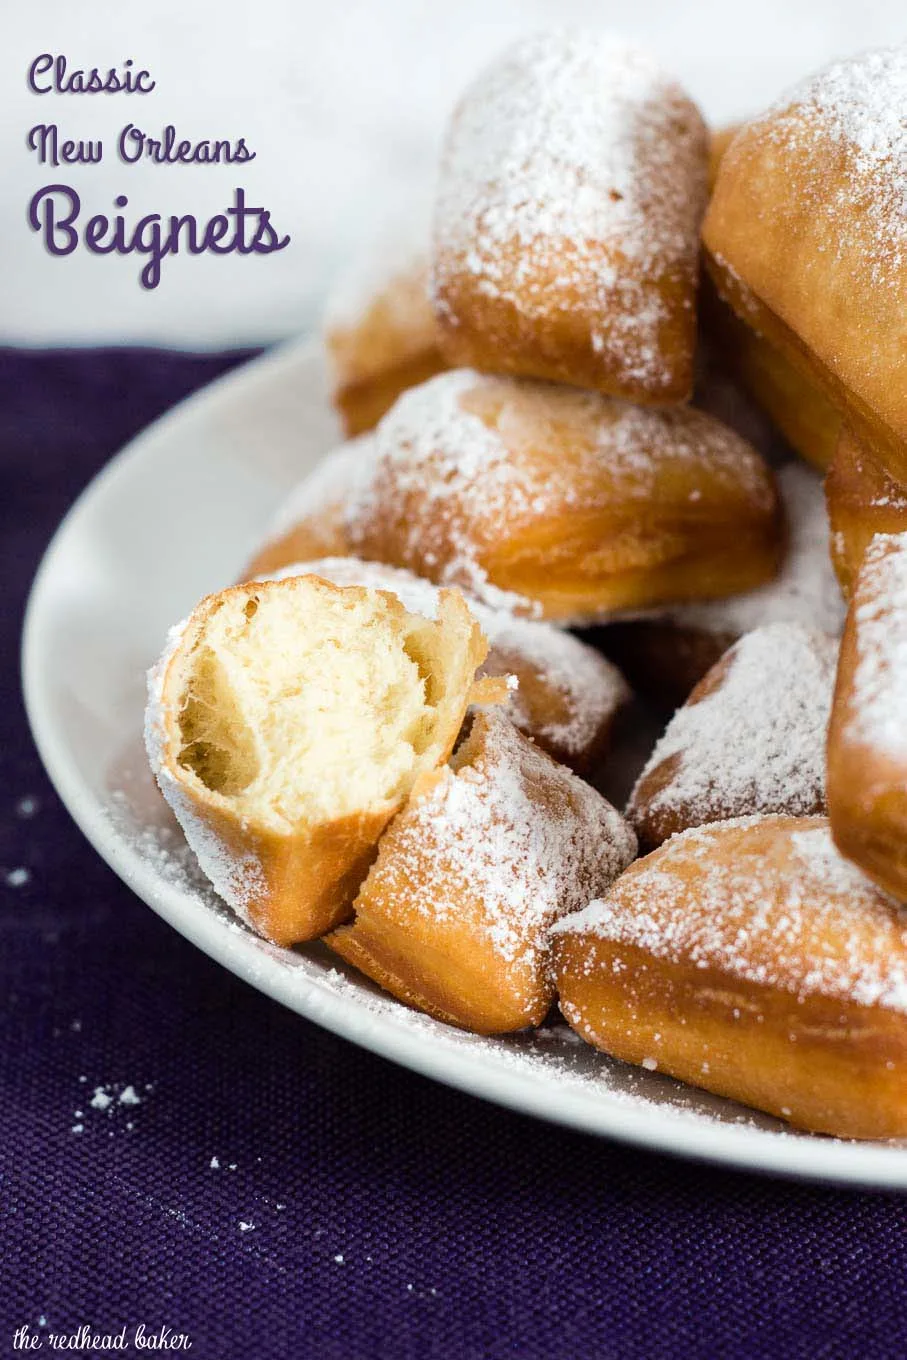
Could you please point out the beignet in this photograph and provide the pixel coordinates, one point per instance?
(563, 504)
(566, 244)
(567, 695)
(805, 236)
(796, 406)
(749, 958)
(666, 655)
(380, 334)
(287, 722)
(750, 738)
(310, 522)
(863, 500)
(489, 852)
(867, 739)
(718, 144)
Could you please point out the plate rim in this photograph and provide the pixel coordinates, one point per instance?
(655, 1128)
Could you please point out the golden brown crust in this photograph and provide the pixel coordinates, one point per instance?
(797, 406)
(384, 344)
(362, 403)
(719, 141)
(747, 959)
(573, 506)
(310, 538)
(666, 656)
(843, 1074)
(863, 500)
(454, 913)
(794, 243)
(292, 882)
(571, 189)
(867, 756)
(310, 523)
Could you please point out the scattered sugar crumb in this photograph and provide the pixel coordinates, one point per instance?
(245, 1227)
(339, 1259)
(27, 806)
(214, 1164)
(17, 878)
(101, 1100)
(128, 1096)
(650, 1064)
(78, 1128)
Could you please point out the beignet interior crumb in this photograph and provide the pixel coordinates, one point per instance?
(312, 702)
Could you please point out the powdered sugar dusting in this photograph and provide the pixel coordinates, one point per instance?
(858, 103)
(574, 176)
(464, 454)
(782, 909)
(589, 688)
(755, 742)
(805, 590)
(878, 712)
(431, 444)
(526, 858)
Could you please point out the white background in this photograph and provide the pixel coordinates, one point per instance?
(344, 102)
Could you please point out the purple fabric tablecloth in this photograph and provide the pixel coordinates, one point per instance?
(178, 1151)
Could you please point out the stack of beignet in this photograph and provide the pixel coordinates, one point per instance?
(386, 738)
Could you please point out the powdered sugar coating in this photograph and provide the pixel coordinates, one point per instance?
(518, 833)
(805, 591)
(859, 105)
(478, 453)
(573, 181)
(590, 689)
(878, 707)
(781, 909)
(755, 743)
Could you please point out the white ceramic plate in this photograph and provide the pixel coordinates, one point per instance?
(173, 517)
